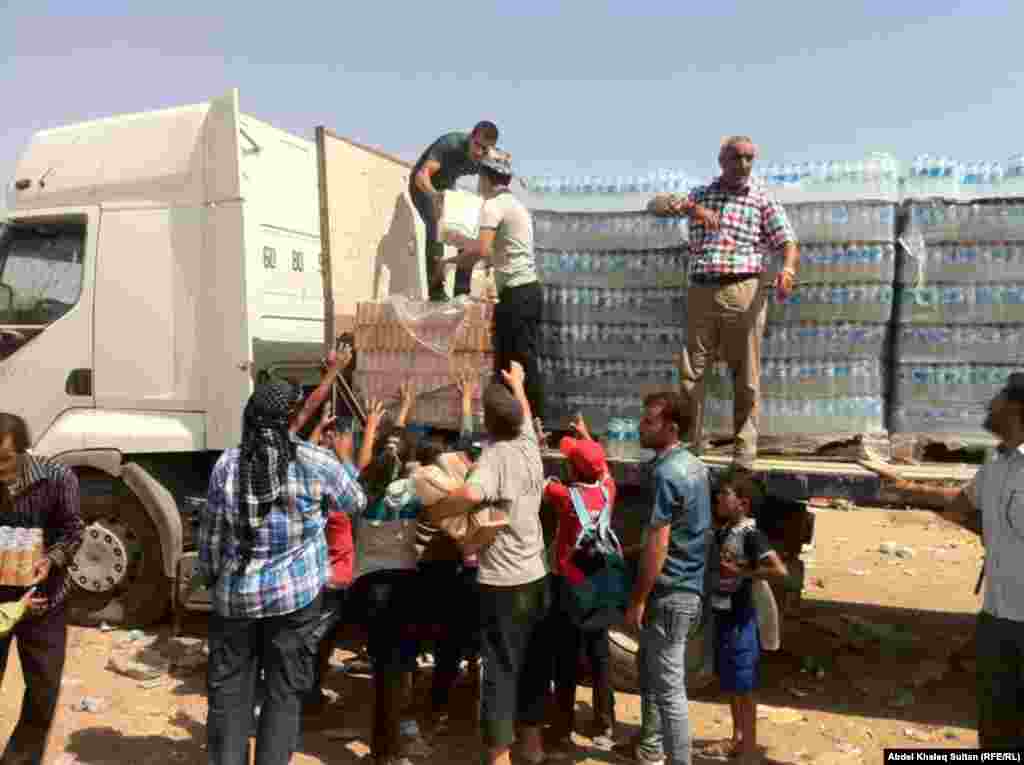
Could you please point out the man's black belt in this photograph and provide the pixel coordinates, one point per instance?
(719, 280)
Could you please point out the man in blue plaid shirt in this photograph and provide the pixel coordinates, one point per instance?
(263, 551)
(735, 226)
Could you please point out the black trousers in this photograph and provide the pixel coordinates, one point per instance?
(516, 659)
(569, 641)
(1000, 690)
(517, 337)
(41, 650)
(435, 250)
(325, 635)
(284, 648)
(386, 599)
(450, 588)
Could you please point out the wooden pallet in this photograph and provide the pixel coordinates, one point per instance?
(845, 447)
(967, 448)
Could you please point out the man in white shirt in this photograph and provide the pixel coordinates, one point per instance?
(506, 243)
(995, 497)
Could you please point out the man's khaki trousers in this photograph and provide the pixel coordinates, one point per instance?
(726, 321)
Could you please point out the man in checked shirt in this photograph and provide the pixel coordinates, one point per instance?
(735, 225)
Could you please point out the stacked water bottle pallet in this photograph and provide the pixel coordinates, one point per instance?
(427, 344)
(959, 319)
(822, 374)
(614, 315)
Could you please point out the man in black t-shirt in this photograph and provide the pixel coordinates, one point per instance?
(445, 160)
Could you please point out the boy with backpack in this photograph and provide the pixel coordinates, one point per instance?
(589, 496)
(744, 555)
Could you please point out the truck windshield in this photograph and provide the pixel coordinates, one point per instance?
(40, 272)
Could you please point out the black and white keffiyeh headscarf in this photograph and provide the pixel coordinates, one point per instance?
(266, 450)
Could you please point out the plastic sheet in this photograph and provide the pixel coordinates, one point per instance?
(435, 326)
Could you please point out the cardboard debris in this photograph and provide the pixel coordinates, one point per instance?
(137, 670)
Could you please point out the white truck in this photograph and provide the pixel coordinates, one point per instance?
(153, 267)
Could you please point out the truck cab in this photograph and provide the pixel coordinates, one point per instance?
(153, 268)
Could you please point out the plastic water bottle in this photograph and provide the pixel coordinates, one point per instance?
(919, 173)
(984, 178)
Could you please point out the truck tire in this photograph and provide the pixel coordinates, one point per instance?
(117, 576)
(625, 674)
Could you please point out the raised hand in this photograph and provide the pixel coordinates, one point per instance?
(514, 376)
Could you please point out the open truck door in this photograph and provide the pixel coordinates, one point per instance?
(367, 221)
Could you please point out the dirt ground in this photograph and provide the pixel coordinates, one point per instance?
(879, 656)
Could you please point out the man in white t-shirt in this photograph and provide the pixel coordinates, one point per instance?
(995, 498)
(506, 243)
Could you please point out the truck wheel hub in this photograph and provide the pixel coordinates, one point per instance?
(101, 562)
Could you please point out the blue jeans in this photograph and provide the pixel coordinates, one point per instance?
(665, 723)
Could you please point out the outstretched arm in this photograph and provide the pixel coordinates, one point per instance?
(515, 378)
(335, 362)
(954, 502)
(374, 415)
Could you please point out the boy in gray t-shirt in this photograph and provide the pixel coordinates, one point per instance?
(513, 582)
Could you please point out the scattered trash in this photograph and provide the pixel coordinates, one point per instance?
(133, 635)
(859, 572)
(849, 748)
(896, 550)
(916, 735)
(154, 682)
(798, 693)
(104, 627)
(137, 670)
(909, 572)
(90, 704)
(819, 583)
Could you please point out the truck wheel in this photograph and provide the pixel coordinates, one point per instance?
(117, 576)
(625, 674)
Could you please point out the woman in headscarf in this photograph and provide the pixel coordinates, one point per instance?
(262, 549)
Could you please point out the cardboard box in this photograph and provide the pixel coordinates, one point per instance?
(460, 214)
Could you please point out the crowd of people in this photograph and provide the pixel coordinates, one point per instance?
(305, 530)
(302, 534)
